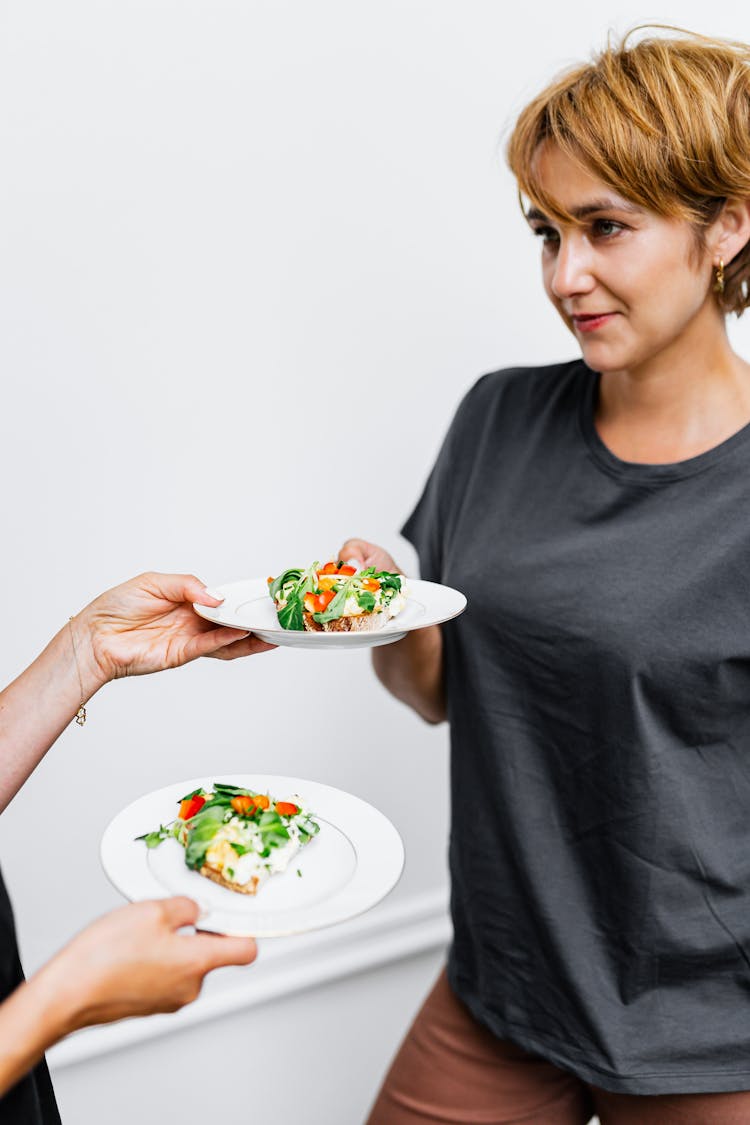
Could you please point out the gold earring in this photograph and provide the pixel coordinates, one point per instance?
(719, 280)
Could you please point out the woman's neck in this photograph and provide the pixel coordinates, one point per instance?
(675, 406)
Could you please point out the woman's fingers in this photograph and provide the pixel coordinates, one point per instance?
(246, 645)
(202, 597)
(185, 588)
(368, 554)
(175, 588)
(355, 550)
(179, 911)
(211, 950)
(216, 950)
(206, 643)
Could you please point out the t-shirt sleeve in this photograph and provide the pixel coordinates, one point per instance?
(428, 526)
(423, 527)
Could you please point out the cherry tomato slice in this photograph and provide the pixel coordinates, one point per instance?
(244, 805)
(190, 806)
(317, 603)
(286, 808)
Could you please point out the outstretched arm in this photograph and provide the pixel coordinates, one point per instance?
(411, 669)
(142, 626)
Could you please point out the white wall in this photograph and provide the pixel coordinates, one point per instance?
(322, 1053)
(252, 255)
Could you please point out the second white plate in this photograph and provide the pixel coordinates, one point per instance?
(247, 605)
(353, 862)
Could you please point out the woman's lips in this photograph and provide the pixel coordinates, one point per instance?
(589, 322)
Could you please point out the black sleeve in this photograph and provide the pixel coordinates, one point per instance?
(424, 525)
(31, 1101)
(428, 526)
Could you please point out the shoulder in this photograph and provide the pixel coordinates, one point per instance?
(520, 389)
(527, 381)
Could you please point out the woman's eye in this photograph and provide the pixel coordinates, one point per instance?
(606, 227)
(547, 234)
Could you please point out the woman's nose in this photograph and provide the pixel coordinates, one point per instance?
(571, 273)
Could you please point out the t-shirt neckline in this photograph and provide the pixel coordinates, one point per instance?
(642, 471)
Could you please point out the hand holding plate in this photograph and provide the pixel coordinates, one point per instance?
(368, 554)
(133, 962)
(148, 624)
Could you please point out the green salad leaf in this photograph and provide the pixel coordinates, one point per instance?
(203, 827)
(272, 829)
(153, 839)
(308, 826)
(291, 587)
(196, 793)
(365, 600)
(292, 615)
(292, 575)
(336, 607)
(390, 585)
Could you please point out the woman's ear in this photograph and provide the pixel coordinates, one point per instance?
(731, 231)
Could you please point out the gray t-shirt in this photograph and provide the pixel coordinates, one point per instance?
(598, 691)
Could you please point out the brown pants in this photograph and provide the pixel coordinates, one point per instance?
(450, 1069)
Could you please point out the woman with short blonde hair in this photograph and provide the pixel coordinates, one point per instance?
(665, 123)
(598, 686)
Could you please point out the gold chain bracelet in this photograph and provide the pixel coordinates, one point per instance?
(81, 712)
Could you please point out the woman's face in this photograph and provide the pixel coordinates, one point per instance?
(631, 285)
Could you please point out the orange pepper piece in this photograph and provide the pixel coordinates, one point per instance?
(243, 805)
(316, 603)
(286, 808)
(190, 806)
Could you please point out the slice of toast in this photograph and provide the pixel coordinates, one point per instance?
(362, 623)
(249, 888)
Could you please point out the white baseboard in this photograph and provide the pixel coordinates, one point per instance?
(389, 933)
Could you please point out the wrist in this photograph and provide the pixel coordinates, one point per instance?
(64, 993)
(89, 668)
(39, 1017)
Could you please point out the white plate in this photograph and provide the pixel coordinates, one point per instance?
(353, 862)
(247, 605)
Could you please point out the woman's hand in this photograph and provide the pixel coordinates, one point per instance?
(368, 554)
(148, 624)
(142, 626)
(132, 962)
(410, 669)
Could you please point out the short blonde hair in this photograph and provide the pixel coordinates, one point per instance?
(665, 122)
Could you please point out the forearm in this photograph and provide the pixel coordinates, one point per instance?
(31, 1020)
(141, 626)
(40, 703)
(412, 671)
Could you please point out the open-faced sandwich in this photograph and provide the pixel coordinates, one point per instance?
(336, 598)
(237, 837)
